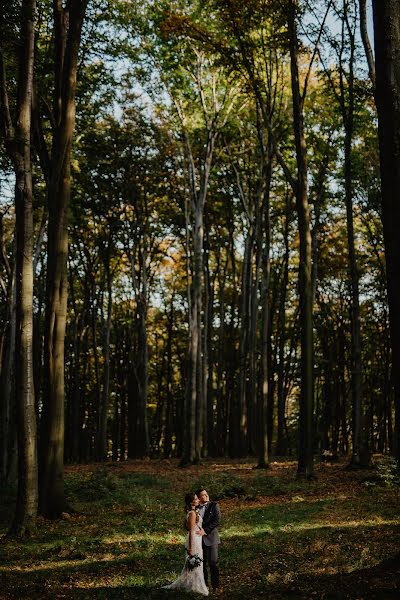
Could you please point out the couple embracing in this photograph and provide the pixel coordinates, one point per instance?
(201, 521)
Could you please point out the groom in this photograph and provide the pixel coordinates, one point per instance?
(211, 514)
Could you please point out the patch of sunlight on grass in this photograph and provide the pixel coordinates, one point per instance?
(48, 566)
(235, 532)
(133, 580)
(374, 522)
(156, 538)
(248, 531)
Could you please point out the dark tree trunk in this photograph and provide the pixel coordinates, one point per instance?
(241, 429)
(359, 451)
(387, 57)
(18, 140)
(281, 443)
(169, 411)
(68, 26)
(7, 407)
(305, 464)
(105, 392)
(265, 396)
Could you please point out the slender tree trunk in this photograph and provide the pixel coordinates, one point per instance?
(305, 464)
(68, 26)
(195, 408)
(7, 349)
(105, 392)
(359, 453)
(281, 446)
(365, 40)
(359, 457)
(242, 425)
(7, 383)
(264, 398)
(387, 57)
(208, 372)
(231, 355)
(189, 440)
(253, 433)
(27, 498)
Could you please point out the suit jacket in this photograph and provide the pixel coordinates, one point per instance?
(211, 520)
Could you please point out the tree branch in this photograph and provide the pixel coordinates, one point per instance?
(365, 40)
(6, 120)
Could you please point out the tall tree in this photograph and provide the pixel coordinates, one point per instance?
(68, 22)
(18, 144)
(305, 465)
(387, 94)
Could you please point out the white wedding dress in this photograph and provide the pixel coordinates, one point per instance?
(191, 581)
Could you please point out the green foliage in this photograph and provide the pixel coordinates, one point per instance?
(388, 472)
(98, 486)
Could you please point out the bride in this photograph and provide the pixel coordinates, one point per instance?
(192, 577)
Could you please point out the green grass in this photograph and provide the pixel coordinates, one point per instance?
(280, 537)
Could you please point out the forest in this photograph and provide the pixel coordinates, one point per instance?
(199, 255)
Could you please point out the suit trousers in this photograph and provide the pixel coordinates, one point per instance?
(210, 556)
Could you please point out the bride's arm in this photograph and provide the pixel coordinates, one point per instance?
(191, 527)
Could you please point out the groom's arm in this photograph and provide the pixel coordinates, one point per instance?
(214, 521)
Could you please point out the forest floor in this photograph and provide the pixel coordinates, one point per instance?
(337, 537)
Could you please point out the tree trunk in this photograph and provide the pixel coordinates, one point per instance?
(387, 61)
(7, 407)
(105, 392)
(305, 464)
(195, 408)
(208, 371)
(264, 397)
(27, 498)
(281, 446)
(359, 453)
(7, 352)
(254, 426)
(168, 432)
(241, 417)
(365, 40)
(68, 26)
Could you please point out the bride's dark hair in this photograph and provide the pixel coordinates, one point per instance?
(189, 501)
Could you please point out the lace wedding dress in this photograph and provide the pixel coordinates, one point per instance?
(191, 581)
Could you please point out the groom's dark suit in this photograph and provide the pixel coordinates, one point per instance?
(211, 520)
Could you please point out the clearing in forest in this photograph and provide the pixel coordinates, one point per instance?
(336, 537)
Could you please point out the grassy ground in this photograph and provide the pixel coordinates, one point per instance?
(334, 538)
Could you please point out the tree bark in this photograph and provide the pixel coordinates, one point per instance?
(365, 40)
(281, 445)
(27, 497)
(305, 463)
(68, 26)
(265, 397)
(105, 392)
(387, 61)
